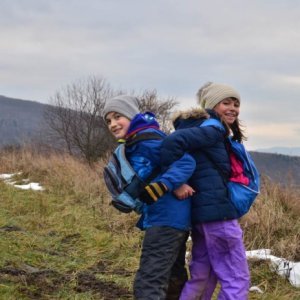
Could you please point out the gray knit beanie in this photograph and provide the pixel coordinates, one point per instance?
(127, 106)
(210, 94)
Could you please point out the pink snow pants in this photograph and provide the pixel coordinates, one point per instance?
(218, 254)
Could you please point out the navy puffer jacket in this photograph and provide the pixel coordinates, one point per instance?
(207, 146)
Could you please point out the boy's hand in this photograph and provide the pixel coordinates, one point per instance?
(184, 191)
(152, 192)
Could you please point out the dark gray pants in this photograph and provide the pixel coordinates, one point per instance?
(162, 272)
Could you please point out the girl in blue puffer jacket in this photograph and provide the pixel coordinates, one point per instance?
(218, 252)
(165, 219)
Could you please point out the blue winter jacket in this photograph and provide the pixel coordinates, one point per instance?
(207, 146)
(144, 157)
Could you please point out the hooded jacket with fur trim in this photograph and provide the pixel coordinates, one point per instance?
(207, 145)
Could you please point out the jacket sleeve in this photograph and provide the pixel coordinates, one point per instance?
(178, 173)
(192, 139)
(146, 158)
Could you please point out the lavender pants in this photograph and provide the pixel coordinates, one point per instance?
(218, 254)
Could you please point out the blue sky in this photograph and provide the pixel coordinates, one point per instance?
(172, 46)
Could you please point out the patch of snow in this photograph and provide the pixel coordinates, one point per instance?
(31, 185)
(283, 267)
(8, 176)
(256, 289)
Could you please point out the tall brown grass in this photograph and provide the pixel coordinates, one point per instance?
(65, 175)
(273, 222)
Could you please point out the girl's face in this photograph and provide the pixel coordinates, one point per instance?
(228, 110)
(117, 124)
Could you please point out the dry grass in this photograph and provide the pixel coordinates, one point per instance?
(70, 230)
(273, 221)
(76, 207)
(66, 176)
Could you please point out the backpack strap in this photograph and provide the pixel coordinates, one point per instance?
(136, 186)
(213, 122)
(142, 137)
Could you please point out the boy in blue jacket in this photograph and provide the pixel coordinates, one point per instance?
(165, 219)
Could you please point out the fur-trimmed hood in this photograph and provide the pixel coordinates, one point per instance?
(191, 116)
(194, 113)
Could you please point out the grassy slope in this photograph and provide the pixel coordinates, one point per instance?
(68, 243)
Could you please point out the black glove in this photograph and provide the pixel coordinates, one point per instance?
(152, 192)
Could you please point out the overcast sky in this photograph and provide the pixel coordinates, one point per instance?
(173, 46)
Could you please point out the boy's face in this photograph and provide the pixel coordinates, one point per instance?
(117, 124)
(228, 109)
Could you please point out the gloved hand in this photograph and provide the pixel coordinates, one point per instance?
(152, 192)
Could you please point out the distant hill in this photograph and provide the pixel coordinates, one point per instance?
(292, 151)
(280, 168)
(20, 120)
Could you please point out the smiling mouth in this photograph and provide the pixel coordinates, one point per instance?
(117, 131)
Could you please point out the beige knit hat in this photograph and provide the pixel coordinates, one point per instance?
(210, 94)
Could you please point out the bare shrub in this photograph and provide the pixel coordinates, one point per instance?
(75, 118)
(150, 101)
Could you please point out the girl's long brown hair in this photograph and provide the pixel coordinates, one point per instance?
(237, 131)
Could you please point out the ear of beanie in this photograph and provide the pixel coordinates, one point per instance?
(127, 106)
(210, 94)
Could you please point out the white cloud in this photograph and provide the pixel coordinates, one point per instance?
(263, 135)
